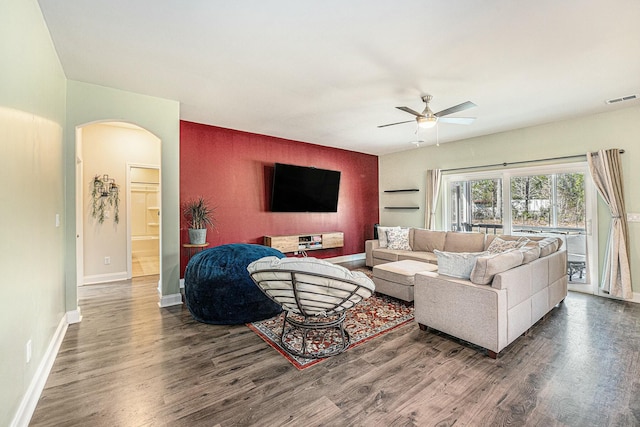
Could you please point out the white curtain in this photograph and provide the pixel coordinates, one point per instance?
(606, 171)
(433, 190)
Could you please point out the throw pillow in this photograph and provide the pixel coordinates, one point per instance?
(457, 264)
(500, 245)
(382, 235)
(399, 239)
(488, 266)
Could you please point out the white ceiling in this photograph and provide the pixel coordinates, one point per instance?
(329, 72)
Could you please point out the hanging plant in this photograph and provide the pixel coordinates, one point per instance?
(104, 195)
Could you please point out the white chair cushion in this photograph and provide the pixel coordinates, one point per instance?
(322, 287)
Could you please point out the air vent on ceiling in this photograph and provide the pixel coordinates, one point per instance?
(623, 98)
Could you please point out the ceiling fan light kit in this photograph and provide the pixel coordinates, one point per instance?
(427, 122)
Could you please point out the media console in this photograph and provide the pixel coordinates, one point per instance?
(305, 242)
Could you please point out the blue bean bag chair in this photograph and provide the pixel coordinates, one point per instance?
(218, 289)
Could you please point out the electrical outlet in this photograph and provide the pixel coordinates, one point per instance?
(633, 217)
(28, 351)
(107, 260)
(57, 220)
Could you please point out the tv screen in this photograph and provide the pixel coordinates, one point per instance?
(304, 189)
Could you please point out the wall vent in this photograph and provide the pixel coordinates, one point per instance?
(621, 99)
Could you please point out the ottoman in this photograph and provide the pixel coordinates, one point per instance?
(218, 289)
(396, 278)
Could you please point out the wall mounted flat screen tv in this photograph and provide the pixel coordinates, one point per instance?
(304, 189)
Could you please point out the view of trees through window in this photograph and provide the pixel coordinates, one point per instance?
(537, 201)
(548, 201)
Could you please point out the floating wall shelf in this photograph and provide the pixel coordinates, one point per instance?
(402, 207)
(408, 190)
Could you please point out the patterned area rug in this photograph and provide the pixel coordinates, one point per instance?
(371, 318)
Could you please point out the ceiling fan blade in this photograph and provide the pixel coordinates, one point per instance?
(410, 111)
(456, 108)
(457, 120)
(399, 123)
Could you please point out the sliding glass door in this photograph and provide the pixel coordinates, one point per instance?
(476, 204)
(543, 201)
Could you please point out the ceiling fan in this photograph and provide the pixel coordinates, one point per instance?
(428, 118)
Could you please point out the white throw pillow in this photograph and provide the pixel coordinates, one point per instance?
(382, 235)
(399, 239)
(457, 264)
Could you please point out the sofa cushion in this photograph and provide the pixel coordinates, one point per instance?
(398, 239)
(382, 235)
(489, 265)
(429, 257)
(457, 264)
(402, 272)
(427, 240)
(464, 242)
(548, 245)
(385, 254)
(530, 251)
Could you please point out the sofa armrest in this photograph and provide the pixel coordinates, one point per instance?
(474, 313)
(369, 246)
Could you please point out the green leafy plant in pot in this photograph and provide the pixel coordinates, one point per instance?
(199, 216)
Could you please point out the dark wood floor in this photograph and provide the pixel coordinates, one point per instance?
(129, 363)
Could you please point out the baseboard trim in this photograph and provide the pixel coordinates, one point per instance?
(346, 258)
(104, 278)
(170, 300)
(74, 316)
(30, 399)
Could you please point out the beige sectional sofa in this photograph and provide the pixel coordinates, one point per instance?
(422, 243)
(501, 294)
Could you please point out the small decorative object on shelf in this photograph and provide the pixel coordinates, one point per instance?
(104, 193)
(199, 217)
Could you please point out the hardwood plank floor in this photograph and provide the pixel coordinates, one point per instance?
(129, 363)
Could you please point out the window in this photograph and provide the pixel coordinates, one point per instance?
(476, 204)
(548, 202)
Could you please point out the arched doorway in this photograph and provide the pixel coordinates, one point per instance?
(106, 151)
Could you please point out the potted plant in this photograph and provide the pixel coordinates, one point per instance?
(199, 217)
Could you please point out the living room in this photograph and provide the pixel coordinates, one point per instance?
(43, 106)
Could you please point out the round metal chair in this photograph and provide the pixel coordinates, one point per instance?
(315, 296)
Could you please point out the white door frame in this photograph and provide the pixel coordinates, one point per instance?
(79, 210)
(128, 198)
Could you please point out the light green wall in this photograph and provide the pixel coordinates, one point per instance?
(87, 103)
(616, 129)
(39, 112)
(32, 117)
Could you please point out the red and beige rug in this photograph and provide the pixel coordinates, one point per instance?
(371, 318)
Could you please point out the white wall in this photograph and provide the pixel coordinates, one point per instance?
(616, 129)
(32, 116)
(108, 149)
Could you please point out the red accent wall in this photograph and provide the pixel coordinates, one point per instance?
(234, 171)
